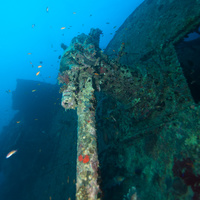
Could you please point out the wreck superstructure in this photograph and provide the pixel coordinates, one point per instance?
(141, 74)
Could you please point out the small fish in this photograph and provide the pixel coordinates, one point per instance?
(114, 27)
(39, 66)
(31, 63)
(96, 74)
(37, 73)
(11, 153)
(47, 9)
(18, 122)
(33, 90)
(62, 28)
(74, 13)
(29, 53)
(118, 179)
(107, 22)
(90, 15)
(113, 118)
(35, 119)
(33, 25)
(8, 91)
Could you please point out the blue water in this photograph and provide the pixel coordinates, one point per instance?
(35, 27)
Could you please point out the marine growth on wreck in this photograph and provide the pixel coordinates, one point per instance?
(137, 122)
